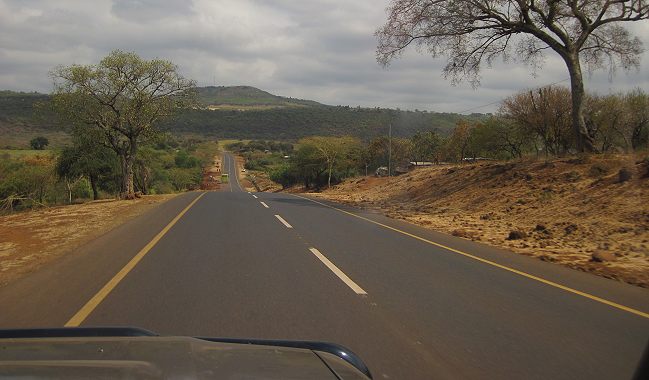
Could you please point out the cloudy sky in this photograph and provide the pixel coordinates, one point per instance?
(322, 50)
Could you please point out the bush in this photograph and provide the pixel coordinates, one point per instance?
(184, 179)
(598, 170)
(516, 235)
(624, 175)
(284, 175)
(39, 143)
(184, 160)
(81, 189)
(29, 178)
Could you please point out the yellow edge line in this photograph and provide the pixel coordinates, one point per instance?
(83, 313)
(518, 272)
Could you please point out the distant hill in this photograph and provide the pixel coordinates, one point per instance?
(21, 120)
(296, 122)
(246, 96)
(240, 112)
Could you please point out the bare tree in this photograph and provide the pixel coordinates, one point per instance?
(469, 32)
(621, 120)
(544, 112)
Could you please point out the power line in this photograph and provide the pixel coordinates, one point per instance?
(498, 101)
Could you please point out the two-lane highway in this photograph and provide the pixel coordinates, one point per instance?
(414, 304)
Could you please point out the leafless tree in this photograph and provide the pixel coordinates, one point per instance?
(544, 113)
(469, 32)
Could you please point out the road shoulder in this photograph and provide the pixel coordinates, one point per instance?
(50, 295)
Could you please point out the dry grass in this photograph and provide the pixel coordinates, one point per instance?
(560, 211)
(31, 239)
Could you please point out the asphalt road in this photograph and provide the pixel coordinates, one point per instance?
(414, 304)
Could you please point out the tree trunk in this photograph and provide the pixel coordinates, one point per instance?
(584, 140)
(331, 166)
(67, 183)
(145, 179)
(127, 190)
(93, 184)
(636, 136)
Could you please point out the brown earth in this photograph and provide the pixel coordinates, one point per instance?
(212, 175)
(262, 181)
(585, 213)
(250, 178)
(31, 239)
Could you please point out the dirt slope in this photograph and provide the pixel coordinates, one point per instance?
(29, 240)
(562, 211)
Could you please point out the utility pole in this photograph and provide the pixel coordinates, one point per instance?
(390, 151)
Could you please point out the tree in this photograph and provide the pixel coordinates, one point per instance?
(469, 32)
(637, 105)
(379, 151)
(284, 175)
(620, 120)
(544, 113)
(124, 97)
(459, 141)
(426, 146)
(332, 150)
(39, 143)
(499, 138)
(307, 163)
(86, 157)
(607, 116)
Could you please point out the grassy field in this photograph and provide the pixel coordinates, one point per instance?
(19, 153)
(16, 138)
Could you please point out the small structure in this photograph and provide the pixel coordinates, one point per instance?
(416, 164)
(476, 159)
(381, 171)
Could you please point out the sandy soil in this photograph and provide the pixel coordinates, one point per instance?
(212, 175)
(261, 179)
(563, 211)
(29, 240)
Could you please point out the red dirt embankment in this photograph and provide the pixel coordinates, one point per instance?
(590, 213)
(31, 239)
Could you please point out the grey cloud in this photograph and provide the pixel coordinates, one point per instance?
(321, 50)
(149, 10)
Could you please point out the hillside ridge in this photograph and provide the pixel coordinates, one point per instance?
(246, 95)
(240, 112)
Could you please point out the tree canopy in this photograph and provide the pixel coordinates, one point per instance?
(470, 32)
(123, 96)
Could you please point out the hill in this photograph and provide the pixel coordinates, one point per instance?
(214, 96)
(238, 112)
(579, 212)
(296, 122)
(250, 113)
(21, 119)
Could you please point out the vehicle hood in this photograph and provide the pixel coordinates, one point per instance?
(163, 357)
